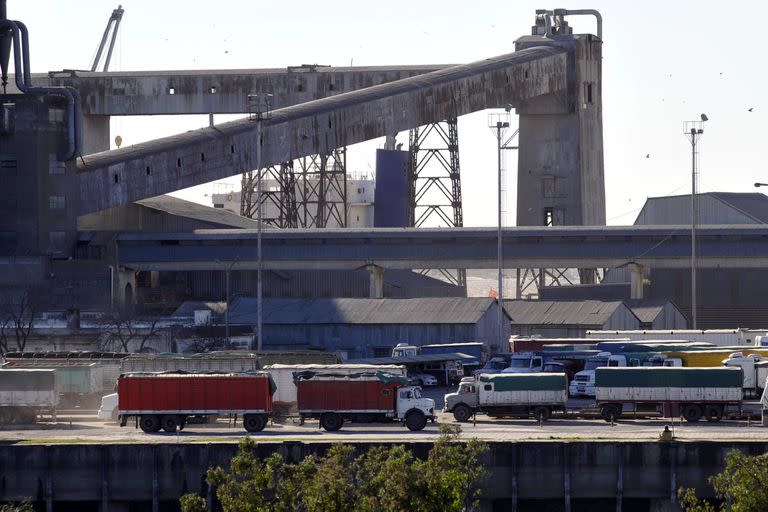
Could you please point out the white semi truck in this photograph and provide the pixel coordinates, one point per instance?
(509, 394)
(583, 383)
(755, 369)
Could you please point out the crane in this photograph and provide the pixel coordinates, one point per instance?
(115, 18)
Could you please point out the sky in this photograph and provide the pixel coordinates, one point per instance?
(663, 63)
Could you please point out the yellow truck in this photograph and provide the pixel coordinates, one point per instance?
(712, 358)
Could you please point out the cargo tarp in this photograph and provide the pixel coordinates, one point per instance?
(385, 378)
(272, 385)
(526, 381)
(650, 377)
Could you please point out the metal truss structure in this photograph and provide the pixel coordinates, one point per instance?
(434, 182)
(278, 197)
(315, 197)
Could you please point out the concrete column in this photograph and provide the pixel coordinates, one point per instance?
(636, 283)
(376, 289)
(125, 289)
(567, 477)
(95, 134)
(155, 481)
(154, 278)
(619, 477)
(513, 471)
(105, 479)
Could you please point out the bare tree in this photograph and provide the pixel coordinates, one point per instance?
(17, 319)
(121, 328)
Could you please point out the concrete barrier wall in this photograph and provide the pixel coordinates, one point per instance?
(568, 471)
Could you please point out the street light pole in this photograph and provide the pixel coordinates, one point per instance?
(693, 130)
(500, 126)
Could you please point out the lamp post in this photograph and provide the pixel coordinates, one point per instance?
(261, 103)
(499, 123)
(694, 130)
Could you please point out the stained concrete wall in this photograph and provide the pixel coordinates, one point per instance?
(566, 472)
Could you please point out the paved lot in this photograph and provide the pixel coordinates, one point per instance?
(85, 428)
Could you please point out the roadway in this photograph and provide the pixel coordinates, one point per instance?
(86, 429)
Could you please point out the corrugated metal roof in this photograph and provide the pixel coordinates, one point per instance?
(544, 312)
(647, 310)
(752, 204)
(189, 307)
(182, 208)
(714, 208)
(432, 310)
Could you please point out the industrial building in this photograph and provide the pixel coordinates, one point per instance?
(362, 327)
(727, 297)
(567, 319)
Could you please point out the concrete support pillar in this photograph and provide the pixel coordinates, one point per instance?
(154, 278)
(155, 481)
(95, 134)
(48, 480)
(125, 289)
(636, 283)
(376, 289)
(566, 477)
(673, 476)
(619, 476)
(105, 479)
(513, 471)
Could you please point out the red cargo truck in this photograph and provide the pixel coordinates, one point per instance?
(361, 398)
(166, 400)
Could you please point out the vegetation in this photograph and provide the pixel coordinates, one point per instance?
(383, 479)
(741, 487)
(20, 507)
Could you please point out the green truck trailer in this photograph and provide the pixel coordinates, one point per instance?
(692, 393)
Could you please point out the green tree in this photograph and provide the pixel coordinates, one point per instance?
(383, 479)
(741, 487)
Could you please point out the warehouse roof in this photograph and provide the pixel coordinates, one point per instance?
(180, 207)
(432, 310)
(544, 312)
(647, 310)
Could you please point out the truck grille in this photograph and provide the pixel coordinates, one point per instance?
(582, 378)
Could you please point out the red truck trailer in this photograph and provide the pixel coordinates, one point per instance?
(361, 398)
(167, 399)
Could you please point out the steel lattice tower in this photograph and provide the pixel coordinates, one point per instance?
(279, 191)
(322, 190)
(434, 182)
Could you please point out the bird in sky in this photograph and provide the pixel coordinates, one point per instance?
(750, 109)
(648, 155)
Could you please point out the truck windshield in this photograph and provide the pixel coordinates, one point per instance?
(520, 363)
(417, 393)
(595, 363)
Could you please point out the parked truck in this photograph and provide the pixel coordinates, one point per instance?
(168, 400)
(26, 393)
(691, 392)
(361, 398)
(583, 383)
(754, 368)
(509, 394)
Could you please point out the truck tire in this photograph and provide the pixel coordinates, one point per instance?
(149, 423)
(713, 413)
(461, 413)
(415, 420)
(610, 413)
(541, 413)
(254, 422)
(169, 423)
(692, 413)
(331, 422)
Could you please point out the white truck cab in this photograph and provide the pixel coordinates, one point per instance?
(583, 383)
(108, 409)
(409, 398)
(525, 363)
(404, 349)
(754, 368)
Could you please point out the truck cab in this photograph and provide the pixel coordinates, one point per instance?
(753, 368)
(494, 365)
(409, 399)
(404, 350)
(466, 394)
(525, 363)
(583, 383)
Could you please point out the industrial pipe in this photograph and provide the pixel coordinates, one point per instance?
(23, 80)
(588, 12)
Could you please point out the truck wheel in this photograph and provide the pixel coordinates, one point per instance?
(415, 420)
(541, 413)
(610, 413)
(713, 413)
(149, 424)
(169, 423)
(331, 421)
(254, 422)
(692, 413)
(461, 413)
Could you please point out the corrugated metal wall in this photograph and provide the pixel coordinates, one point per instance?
(677, 210)
(622, 316)
(670, 318)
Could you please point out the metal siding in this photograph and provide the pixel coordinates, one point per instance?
(391, 189)
(624, 317)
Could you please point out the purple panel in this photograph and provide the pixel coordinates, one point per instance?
(391, 198)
